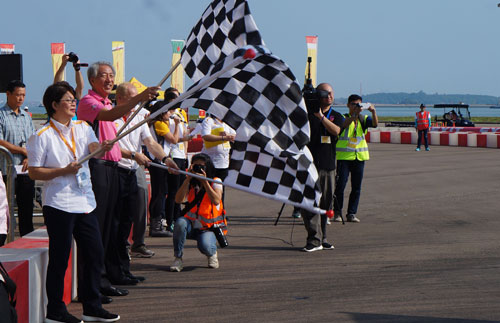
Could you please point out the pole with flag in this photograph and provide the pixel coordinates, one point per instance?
(118, 48)
(57, 51)
(312, 51)
(177, 78)
(7, 48)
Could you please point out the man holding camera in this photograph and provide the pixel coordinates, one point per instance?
(352, 151)
(325, 126)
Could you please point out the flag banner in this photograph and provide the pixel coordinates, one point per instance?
(262, 101)
(7, 48)
(225, 26)
(118, 48)
(312, 51)
(57, 51)
(177, 77)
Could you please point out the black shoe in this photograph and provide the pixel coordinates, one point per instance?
(160, 233)
(310, 248)
(138, 278)
(100, 315)
(106, 299)
(64, 317)
(125, 281)
(113, 291)
(327, 246)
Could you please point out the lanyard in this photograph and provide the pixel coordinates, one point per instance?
(73, 147)
(328, 115)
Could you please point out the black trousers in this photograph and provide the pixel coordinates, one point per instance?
(172, 209)
(61, 226)
(104, 176)
(127, 208)
(25, 193)
(159, 189)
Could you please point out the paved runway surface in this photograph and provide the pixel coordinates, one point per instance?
(427, 250)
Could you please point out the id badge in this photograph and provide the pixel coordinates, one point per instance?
(226, 145)
(181, 146)
(83, 177)
(326, 140)
(353, 142)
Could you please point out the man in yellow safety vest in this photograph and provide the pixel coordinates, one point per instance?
(352, 151)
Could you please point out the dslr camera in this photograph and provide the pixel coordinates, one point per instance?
(312, 96)
(197, 168)
(219, 235)
(73, 58)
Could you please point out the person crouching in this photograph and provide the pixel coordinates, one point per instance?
(204, 211)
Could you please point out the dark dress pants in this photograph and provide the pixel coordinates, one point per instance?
(422, 133)
(172, 209)
(159, 189)
(61, 227)
(25, 193)
(356, 169)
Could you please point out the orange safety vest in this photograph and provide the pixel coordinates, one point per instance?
(423, 120)
(207, 213)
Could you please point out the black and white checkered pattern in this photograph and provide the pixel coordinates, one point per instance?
(262, 101)
(225, 26)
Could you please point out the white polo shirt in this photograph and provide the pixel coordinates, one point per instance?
(219, 151)
(178, 150)
(47, 149)
(133, 140)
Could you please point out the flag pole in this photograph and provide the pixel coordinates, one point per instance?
(143, 104)
(249, 54)
(311, 209)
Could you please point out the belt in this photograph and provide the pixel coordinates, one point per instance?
(126, 170)
(103, 162)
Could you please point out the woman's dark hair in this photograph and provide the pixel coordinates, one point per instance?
(209, 166)
(54, 93)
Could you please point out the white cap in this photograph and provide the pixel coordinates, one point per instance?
(26, 108)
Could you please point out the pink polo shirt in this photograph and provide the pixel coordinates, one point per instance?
(88, 109)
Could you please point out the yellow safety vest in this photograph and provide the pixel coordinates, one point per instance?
(352, 143)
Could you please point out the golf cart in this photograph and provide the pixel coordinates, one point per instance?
(455, 115)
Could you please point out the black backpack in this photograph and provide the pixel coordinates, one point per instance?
(7, 298)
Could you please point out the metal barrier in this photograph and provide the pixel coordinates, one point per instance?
(10, 175)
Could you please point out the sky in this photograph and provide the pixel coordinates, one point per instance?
(435, 46)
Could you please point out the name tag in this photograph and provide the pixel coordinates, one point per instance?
(181, 146)
(353, 142)
(326, 140)
(226, 145)
(83, 177)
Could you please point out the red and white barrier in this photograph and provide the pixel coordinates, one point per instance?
(477, 138)
(26, 261)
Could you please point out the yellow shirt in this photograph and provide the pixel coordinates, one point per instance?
(161, 128)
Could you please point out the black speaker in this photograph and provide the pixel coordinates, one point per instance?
(11, 68)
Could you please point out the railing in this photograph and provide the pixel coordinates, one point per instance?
(10, 175)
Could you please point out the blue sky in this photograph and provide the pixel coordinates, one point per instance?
(444, 46)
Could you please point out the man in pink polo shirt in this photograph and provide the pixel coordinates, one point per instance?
(97, 110)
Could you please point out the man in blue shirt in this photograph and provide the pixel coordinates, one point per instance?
(16, 126)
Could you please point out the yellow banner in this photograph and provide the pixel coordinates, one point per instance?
(312, 51)
(177, 77)
(119, 61)
(56, 52)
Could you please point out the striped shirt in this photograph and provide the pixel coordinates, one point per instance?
(16, 129)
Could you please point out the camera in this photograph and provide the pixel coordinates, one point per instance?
(73, 58)
(219, 235)
(312, 96)
(197, 168)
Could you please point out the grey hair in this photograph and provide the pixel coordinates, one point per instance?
(94, 69)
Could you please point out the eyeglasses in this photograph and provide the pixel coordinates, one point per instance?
(68, 100)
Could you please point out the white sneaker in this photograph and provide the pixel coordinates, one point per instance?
(177, 266)
(213, 262)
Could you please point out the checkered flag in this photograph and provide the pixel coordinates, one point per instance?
(262, 101)
(225, 26)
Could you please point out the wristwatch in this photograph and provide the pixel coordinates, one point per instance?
(164, 159)
(133, 155)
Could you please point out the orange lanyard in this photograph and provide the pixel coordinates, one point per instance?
(73, 147)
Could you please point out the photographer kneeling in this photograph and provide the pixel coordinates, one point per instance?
(204, 216)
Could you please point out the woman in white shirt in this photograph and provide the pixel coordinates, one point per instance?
(217, 137)
(68, 203)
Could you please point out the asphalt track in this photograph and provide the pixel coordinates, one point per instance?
(427, 250)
